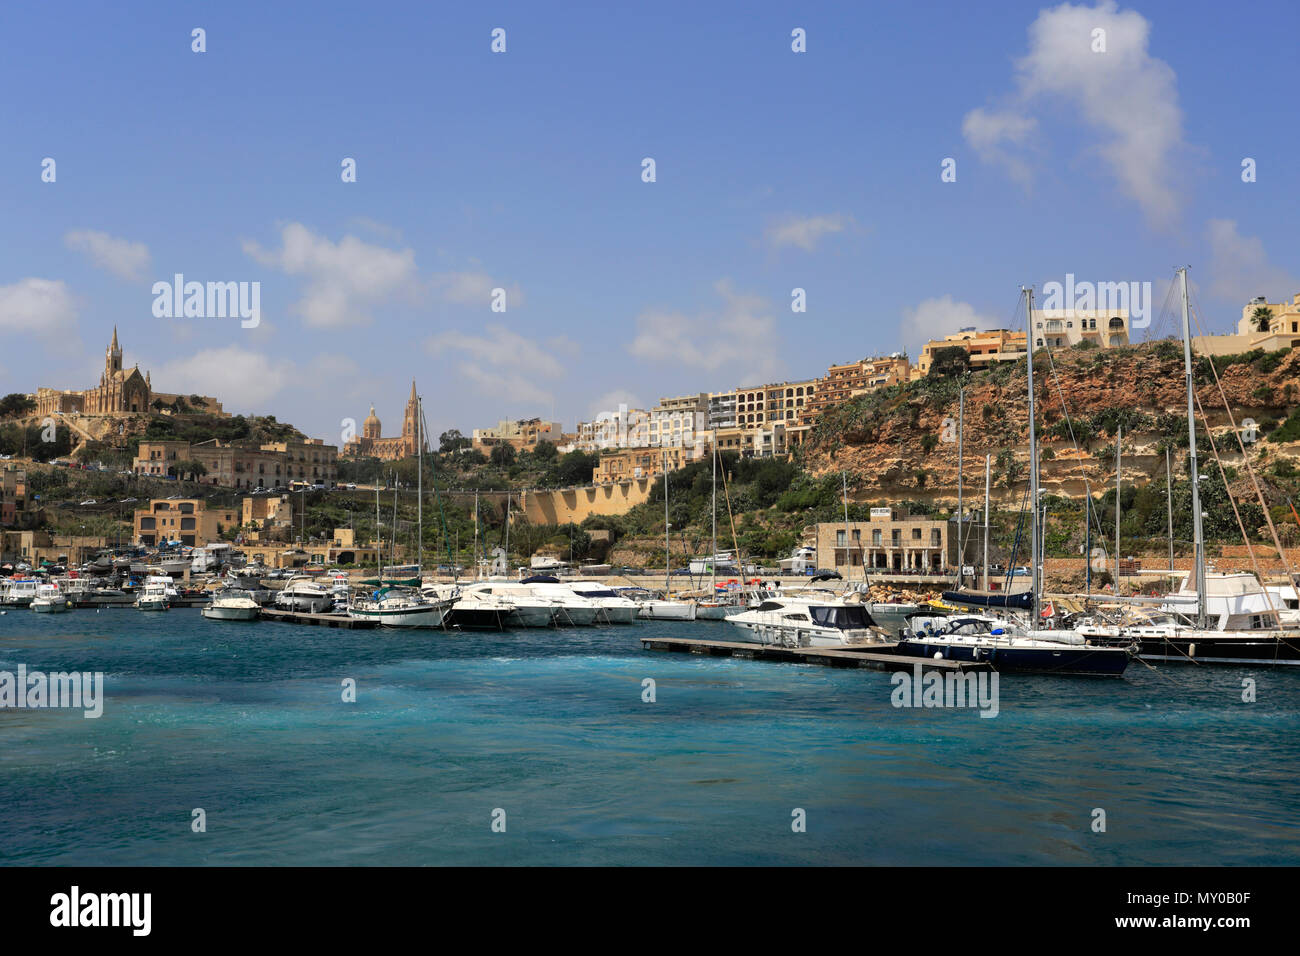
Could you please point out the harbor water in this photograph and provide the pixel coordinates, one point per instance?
(547, 734)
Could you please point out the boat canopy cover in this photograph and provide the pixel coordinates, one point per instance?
(540, 579)
(841, 617)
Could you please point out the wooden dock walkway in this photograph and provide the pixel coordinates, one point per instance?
(323, 620)
(874, 656)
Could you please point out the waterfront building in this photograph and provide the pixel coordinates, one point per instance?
(187, 520)
(371, 444)
(890, 541)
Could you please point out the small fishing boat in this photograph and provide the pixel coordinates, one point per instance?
(50, 600)
(154, 596)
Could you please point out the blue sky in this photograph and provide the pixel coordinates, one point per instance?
(522, 171)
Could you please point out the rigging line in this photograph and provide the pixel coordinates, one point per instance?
(1233, 501)
(1074, 441)
(1259, 494)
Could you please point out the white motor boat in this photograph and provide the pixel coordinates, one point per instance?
(401, 607)
(665, 609)
(154, 596)
(529, 608)
(791, 621)
(18, 592)
(305, 594)
(482, 611)
(232, 604)
(614, 608)
(50, 600)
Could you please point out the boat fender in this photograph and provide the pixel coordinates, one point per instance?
(938, 655)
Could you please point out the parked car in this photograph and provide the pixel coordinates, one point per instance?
(88, 501)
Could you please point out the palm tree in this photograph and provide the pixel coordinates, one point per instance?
(1263, 318)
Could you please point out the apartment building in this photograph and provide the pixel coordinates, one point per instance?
(14, 510)
(1062, 328)
(1279, 329)
(985, 349)
(611, 429)
(242, 464)
(264, 512)
(722, 410)
(635, 463)
(187, 520)
(523, 434)
(843, 382)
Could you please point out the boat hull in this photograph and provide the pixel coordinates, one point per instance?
(1101, 661)
(666, 611)
(480, 619)
(430, 615)
(49, 607)
(231, 613)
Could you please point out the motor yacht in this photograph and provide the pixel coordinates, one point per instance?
(392, 606)
(795, 621)
(232, 604)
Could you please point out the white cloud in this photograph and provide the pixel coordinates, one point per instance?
(42, 307)
(240, 377)
(806, 231)
(936, 317)
(610, 402)
(1124, 94)
(1240, 268)
(742, 334)
(988, 130)
(123, 258)
(474, 289)
(505, 364)
(344, 279)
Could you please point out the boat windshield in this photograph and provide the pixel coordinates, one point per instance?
(841, 617)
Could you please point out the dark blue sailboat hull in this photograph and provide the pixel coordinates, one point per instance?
(1103, 661)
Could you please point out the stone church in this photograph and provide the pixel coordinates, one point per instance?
(121, 391)
(369, 444)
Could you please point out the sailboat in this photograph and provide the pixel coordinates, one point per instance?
(714, 609)
(1247, 626)
(969, 637)
(652, 608)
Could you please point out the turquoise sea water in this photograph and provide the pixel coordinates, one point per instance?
(247, 722)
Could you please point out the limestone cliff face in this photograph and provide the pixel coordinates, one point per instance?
(902, 442)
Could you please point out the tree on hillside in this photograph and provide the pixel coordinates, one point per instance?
(452, 441)
(503, 455)
(950, 362)
(188, 467)
(15, 404)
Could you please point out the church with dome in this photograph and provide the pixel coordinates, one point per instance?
(370, 444)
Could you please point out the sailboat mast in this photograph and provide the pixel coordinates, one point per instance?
(1033, 456)
(477, 569)
(507, 549)
(961, 429)
(986, 522)
(848, 561)
(1169, 503)
(1119, 437)
(419, 484)
(713, 558)
(1198, 539)
(379, 540)
(668, 579)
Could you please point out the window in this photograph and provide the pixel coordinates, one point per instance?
(875, 538)
(916, 534)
